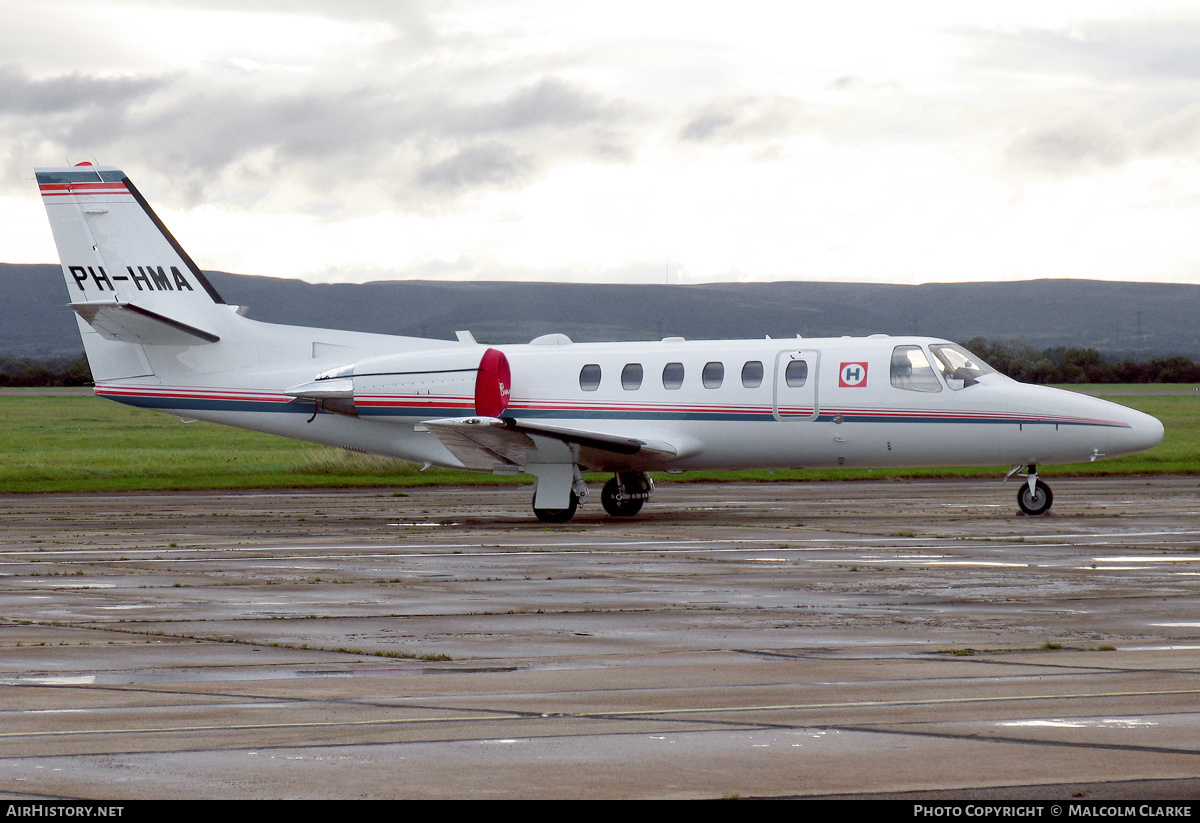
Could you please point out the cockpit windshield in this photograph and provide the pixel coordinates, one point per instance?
(958, 366)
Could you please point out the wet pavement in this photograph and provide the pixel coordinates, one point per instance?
(916, 639)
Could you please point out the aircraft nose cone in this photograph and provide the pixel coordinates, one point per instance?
(1140, 430)
(1147, 432)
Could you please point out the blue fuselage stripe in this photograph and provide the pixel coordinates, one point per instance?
(200, 404)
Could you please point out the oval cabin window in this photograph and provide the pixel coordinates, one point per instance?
(713, 375)
(752, 374)
(589, 377)
(796, 373)
(672, 375)
(631, 377)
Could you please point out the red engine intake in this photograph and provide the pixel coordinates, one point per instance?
(492, 384)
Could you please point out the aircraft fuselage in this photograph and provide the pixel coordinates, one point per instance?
(720, 404)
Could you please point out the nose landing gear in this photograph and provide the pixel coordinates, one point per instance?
(1034, 497)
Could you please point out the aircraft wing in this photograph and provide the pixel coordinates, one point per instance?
(485, 442)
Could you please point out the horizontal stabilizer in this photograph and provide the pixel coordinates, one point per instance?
(133, 324)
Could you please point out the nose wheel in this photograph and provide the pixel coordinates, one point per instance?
(1034, 497)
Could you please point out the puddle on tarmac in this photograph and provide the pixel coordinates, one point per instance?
(1078, 723)
(194, 676)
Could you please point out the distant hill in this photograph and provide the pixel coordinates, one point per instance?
(1126, 319)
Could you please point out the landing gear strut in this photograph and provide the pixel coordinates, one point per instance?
(625, 493)
(1034, 497)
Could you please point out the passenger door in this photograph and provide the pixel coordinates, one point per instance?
(795, 396)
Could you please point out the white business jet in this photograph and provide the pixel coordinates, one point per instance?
(158, 336)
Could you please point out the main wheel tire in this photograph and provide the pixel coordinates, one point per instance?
(558, 515)
(618, 507)
(1037, 503)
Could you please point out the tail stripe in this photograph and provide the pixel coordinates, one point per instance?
(60, 189)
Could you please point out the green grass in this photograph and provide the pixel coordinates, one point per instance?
(1118, 389)
(84, 443)
(78, 442)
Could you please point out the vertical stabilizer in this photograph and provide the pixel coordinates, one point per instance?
(129, 280)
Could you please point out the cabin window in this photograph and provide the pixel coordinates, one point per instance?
(713, 375)
(752, 374)
(631, 377)
(589, 377)
(796, 373)
(911, 370)
(672, 375)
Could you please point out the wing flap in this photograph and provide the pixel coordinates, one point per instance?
(483, 442)
(617, 444)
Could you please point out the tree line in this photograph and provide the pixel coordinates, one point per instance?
(54, 371)
(1018, 360)
(1060, 364)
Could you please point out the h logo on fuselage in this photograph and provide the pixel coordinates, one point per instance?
(852, 375)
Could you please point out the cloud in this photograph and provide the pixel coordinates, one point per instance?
(1177, 134)
(503, 130)
(548, 103)
(1137, 50)
(487, 164)
(395, 106)
(20, 94)
(198, 130)
(707, 125)
(1091, 96)
(747, 120)
(1062, 149)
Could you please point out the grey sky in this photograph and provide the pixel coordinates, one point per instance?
(624, 140)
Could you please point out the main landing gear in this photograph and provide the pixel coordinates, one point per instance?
(623, 496)
(625, 493)
(558, 515)
(1034, 497)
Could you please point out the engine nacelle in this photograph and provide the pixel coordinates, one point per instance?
(439, 383)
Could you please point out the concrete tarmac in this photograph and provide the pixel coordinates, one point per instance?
(915, 639)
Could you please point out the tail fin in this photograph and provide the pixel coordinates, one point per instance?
(130, 281)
